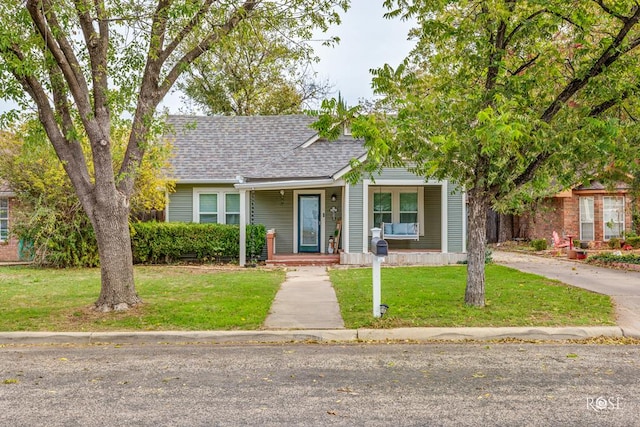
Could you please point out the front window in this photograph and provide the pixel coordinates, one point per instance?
(216, 206)
(613, 217)
(232, 208)
(208, 208)
(586, 219)
(4, 219)
(382, 211)
(409, 207)
(396, 205)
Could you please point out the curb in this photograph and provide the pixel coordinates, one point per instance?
(321, 335)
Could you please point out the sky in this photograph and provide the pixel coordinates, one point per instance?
(367, 40)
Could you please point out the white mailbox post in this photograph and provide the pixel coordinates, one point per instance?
(378, 258)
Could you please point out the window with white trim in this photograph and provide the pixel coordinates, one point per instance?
(396, 204)
(4, 219)
(217, 206)
(232, 208)
(587, 231)
(613, 216)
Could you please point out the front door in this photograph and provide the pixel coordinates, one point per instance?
(309, 223)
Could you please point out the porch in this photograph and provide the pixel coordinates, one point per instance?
(395, 257)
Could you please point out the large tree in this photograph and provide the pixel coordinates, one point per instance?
(81, 63)
(262, 71)
(507, 98)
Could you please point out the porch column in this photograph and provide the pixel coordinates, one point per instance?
(444, 202)
(243, 228)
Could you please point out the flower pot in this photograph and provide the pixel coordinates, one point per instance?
(581, 254)
(572, 254)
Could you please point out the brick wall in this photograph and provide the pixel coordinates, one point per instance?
(9, 250)
(562, 214)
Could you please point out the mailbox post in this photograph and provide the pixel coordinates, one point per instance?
(380, 250)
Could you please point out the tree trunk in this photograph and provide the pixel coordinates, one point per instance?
(477, 244)
(505, 228)
(110, 218)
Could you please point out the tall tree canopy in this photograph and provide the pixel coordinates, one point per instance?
(81, 63)
(262, 71)
(506, 98)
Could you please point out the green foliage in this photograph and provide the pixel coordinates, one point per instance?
(609, 258)
(260, 71)
(633, 241)
(155, 242)
(509, 100)
(615, 243)
(539, 244)
(49, 218)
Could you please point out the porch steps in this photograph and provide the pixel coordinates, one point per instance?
(300, 260)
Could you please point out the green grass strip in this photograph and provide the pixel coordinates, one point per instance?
(434, 296)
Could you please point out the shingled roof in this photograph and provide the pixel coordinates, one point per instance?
(215, 148)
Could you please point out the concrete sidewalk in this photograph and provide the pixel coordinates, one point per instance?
(623, 286)
(306, 300)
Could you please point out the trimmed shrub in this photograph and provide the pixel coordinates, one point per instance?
(539, 244)
(162, 242)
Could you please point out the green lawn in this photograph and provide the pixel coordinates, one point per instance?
(176, 298)
(193, 298)
(434, 296)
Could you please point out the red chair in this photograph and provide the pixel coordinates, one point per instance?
(557, 243)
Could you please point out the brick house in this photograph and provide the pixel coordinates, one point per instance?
(8, 244)
(591, 213)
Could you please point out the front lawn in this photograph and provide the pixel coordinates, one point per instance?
(434, 296)
(176, 298)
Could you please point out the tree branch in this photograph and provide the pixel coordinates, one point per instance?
(151, 91)
(66, 152)
(611, 12)
(525, 65)
(608, 57)
(62, 51)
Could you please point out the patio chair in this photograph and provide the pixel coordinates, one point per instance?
(557, 243)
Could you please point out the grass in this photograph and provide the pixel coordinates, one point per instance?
(434, 296)
(176, 298)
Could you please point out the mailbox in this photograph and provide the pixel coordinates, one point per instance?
(381, 248)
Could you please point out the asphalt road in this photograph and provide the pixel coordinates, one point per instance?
(319, 384)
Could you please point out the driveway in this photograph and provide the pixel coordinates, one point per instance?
(623, 286)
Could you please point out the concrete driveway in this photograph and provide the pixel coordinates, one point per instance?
(623, 286)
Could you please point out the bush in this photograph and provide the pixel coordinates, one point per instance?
(155, 242)
(539, 244)
(614, 243)
(633, 241)
(608, 258)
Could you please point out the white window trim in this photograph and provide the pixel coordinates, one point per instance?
(395, 203)
(580, 215)
(221, 193)
(7, 219)
(622, 222)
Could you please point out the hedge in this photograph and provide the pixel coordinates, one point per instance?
(162, 242)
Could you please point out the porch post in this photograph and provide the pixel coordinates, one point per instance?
(444, 201)
(243, 228)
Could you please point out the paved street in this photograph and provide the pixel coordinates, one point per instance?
(319, 384)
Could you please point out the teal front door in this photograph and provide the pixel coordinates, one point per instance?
(309, 223)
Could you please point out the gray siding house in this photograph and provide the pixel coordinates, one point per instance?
(277, 171)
